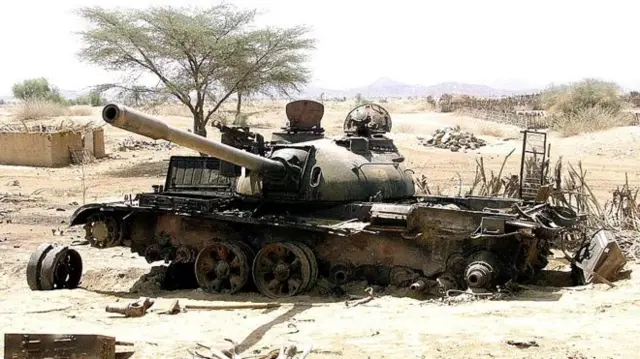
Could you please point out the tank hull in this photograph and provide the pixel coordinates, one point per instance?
(435, 241)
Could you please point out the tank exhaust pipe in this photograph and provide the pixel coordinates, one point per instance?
(418, 286)
(137, 122)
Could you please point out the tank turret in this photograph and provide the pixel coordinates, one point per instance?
(361, 166)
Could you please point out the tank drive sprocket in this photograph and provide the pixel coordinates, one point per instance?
(102, 230)
(223, 267)
(281, 270)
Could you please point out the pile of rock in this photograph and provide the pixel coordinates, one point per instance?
(452, 138)
(129, 144)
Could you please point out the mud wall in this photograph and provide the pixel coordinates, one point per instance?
(39, 149)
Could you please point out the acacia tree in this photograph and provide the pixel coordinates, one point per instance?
(200, 56)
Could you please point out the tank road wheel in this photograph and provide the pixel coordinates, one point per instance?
(313, 264)
(61, 268)
(35, 264)
(281, 270)
(102, 230)
(223, 267)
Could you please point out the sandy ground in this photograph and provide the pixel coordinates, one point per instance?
(581, 322)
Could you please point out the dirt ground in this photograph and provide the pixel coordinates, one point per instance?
(579, 322)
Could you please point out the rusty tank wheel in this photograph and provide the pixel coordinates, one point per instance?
(223, 267)
(281, 270)
(313, 265)
(61, 268)
(102, 230)
(35, 265)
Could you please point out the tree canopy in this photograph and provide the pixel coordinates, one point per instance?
(36, 89)
(200, 56)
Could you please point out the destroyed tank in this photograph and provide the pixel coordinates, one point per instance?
(277, 215)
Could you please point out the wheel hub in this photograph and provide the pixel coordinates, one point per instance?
(281, 272)
(100, 231)
(223, 269)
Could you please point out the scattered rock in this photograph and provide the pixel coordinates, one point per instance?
(520, 344)
(129, 144)
(452, 138)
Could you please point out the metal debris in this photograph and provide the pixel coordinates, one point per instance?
(134, 309)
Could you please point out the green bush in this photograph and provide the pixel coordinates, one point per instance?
(586, 106)
(589, 93)
(590, 119)
(37, 89)
(92, 99)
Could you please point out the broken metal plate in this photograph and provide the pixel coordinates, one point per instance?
(602, 256)
(76, 346)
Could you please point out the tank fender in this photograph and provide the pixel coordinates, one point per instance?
(81, 214)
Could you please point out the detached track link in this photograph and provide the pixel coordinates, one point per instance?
(35, 265)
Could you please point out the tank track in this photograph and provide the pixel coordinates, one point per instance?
(277, 269)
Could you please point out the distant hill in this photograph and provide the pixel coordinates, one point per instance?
(385, 87)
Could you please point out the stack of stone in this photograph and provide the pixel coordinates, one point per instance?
(130, 144)
(452, 138)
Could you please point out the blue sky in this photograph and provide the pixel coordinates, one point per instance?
(509, 44)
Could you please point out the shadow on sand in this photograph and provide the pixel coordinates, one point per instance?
(180, 283)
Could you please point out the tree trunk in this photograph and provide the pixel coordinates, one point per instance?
(199, 128)
(238, 109)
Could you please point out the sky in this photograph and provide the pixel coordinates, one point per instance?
(505, 44)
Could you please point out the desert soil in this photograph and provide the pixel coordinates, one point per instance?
(579, 322)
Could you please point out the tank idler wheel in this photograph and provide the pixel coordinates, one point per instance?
(281, 270)
(102, 230)
(223, 267)
(35, 264)
(61, 268)
(313, 264)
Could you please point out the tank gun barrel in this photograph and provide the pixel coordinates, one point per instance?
(137, 122)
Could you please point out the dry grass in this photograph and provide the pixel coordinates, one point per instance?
(491, 130)
(403, 128)
(408, 106)
(79, 111)
(39, 109)
(590, 120)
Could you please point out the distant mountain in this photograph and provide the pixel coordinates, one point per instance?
(385, 87)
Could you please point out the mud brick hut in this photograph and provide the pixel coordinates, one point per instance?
(50, 146)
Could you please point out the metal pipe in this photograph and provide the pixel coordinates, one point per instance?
(137, 122)
(418, 286)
